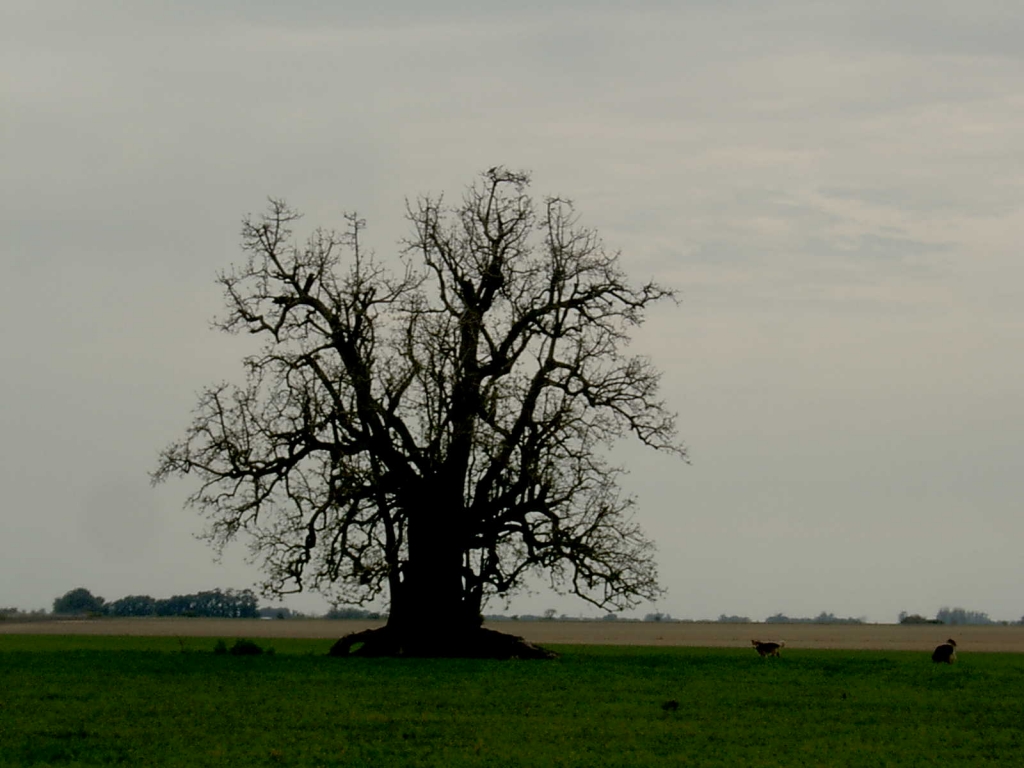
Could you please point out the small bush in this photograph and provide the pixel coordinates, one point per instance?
(245, 648)
(220, 648)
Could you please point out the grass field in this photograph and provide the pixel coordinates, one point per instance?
(167, 701)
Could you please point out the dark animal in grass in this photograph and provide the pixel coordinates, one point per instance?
(945, 653)
(769, 648)
(670, 706)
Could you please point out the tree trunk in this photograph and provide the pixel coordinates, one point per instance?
(432, 613)
(430, 607)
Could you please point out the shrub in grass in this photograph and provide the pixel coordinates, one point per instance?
(245, 648)
(241, 648)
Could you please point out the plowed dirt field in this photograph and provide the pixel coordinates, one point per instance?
(708, 635)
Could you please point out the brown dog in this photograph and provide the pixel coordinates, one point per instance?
(768, 648)
(945, 653)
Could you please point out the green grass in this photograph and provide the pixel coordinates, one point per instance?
(77, 701)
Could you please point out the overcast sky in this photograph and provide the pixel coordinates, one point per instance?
(836, 189)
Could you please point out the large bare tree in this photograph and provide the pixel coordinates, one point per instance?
(437, 432)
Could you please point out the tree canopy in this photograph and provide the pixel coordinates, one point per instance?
(436, 431)
(78, 600)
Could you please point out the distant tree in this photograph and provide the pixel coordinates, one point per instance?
(916, 618)
(79, 600)
(438, 434)
(734, 619)
(549, 614)
(959, 616)
(133, 605)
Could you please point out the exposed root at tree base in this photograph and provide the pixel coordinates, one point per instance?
(478, 643)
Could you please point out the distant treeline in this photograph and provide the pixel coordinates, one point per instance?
(243, 604)
(227, 604)
(224, 604)
(338, 612)
(215, 603)
(953, 617)
(18, 613)
(821, 618)
(781, 618)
